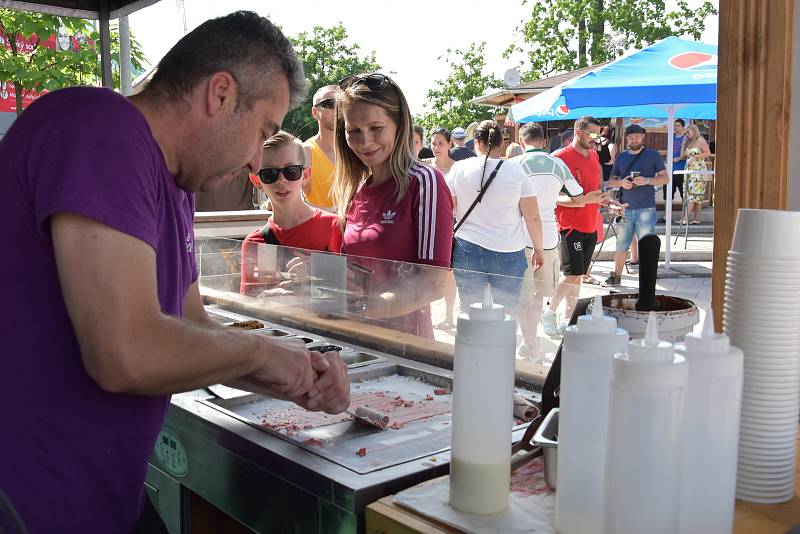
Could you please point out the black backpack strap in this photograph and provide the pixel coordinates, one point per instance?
(268, 235)
(480, 196)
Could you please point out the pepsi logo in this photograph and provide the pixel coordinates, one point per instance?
(694, 61)
(562, 110)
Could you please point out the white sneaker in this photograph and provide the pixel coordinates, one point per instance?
(550, 323)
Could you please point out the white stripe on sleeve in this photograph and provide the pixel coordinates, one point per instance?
(426, 223)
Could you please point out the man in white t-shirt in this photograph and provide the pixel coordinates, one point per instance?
(551, 177)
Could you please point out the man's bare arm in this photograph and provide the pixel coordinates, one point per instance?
(108, 280)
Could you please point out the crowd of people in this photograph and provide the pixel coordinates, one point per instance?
(514, 211)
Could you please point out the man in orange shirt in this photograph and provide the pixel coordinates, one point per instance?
(577, 218)
(319, 149)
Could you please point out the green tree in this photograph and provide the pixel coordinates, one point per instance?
(27, 62)
(327, 57)
(448, 103)
(562, 35)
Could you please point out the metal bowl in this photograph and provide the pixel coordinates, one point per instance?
(546, 437)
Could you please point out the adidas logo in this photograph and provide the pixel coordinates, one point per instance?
(388, 217)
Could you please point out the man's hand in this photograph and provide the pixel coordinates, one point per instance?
(286, 371)
(331, 390)
(626, 183)
(537, 259)
(595, 197)
(641, 180)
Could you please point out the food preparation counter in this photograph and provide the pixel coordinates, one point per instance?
(272, 467)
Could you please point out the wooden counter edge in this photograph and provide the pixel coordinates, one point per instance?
(386, 517)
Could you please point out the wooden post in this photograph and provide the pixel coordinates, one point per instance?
(753, 110)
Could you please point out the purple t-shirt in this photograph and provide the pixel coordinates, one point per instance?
(72, 456)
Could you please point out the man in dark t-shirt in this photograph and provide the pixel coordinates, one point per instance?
(637, 172)
(107, 319)
(460, 151)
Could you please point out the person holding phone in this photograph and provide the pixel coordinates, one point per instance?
(637, 172)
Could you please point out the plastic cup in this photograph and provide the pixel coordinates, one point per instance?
(762, 265)
(765, 467)
(756, 373)
(765, 497)
(772, 434)
(760, 260)
(768, 395)
(783, 458)
(755, 323)
(786, 455)
(755, 414)
(766, 480)
(762, 275)
(758, 231)
(758, 428)
(770, 388)
(752, 294)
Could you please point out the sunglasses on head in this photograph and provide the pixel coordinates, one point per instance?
(443, 131)
(327, 103)
(373, 81)
(270, 175)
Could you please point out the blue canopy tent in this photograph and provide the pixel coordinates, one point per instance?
(655, 82)
(550, 105)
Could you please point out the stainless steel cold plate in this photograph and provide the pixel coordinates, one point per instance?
(340, 441)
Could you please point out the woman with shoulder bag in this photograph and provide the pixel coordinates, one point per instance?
(493, 200)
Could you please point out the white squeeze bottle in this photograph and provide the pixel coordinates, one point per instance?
(645, 435)
(711, 431)
(483, 393)
(586, 359)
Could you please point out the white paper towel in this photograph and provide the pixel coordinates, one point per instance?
(531, 507)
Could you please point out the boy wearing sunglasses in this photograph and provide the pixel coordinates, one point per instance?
(293, 223)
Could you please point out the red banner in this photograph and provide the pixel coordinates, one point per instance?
(63, 42)
(8, 97)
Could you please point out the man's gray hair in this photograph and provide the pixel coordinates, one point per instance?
(246, 45)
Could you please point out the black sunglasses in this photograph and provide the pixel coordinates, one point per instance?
(373, 81)
(327, 103)
(290, 172)
(444, 131)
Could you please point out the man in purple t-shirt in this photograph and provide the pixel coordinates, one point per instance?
(104, 317)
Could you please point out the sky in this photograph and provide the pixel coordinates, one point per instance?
(407, 43)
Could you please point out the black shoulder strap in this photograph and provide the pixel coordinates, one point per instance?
(480, 196)
(268, 235)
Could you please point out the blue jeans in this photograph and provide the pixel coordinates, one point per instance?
(475, 266)
(641, 221)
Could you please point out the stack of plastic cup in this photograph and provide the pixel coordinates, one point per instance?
(762, 318)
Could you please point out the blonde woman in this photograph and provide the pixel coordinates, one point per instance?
(393, 206)
(694, 150)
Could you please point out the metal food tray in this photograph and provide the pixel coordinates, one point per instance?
(339, 442)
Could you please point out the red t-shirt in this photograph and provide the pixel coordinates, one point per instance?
(417, 229)
(320, 232)
(586, 170)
